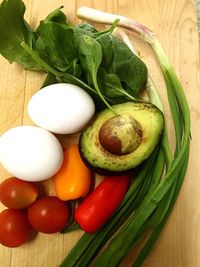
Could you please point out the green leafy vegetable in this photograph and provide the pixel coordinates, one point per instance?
(90, 54)
(110, 86)
(120, 60)
(57, 41)
(54, 47)
(14, 30)
(57, 16)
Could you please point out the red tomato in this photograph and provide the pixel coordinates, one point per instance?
(17, 194)
(14, 228)
(48, 215)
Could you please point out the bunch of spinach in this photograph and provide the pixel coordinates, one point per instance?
(94, 60)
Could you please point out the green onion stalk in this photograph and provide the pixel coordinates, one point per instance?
(150, 199)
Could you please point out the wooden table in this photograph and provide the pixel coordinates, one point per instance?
(175, 24)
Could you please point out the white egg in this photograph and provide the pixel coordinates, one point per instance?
(61, 108)
(30, 153)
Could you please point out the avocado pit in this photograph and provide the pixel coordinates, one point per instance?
(120, 135)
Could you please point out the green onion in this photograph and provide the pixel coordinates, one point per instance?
(151, 197)
(90, 243)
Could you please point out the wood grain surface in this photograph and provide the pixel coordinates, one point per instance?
(175, 24)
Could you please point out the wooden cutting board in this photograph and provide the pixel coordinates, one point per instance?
(175, 24)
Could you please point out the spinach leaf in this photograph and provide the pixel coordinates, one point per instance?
(57, 16)
(13, 31)
(84, 29)
(120, 60)
(111, 87)
(74, 68)
(56, 44)
(90, 55)
(65, 59)
(107, 50)
(42, 50)
(99, 63)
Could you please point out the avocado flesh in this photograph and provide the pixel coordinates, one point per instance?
(151, 121)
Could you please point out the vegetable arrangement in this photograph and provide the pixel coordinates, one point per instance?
(113, 76)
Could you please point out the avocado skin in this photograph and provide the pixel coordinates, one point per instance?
(133, 170)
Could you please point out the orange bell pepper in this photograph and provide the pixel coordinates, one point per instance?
(73, 179)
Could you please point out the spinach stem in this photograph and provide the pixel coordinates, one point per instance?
(113, 26)
(102, 97)
(40, 61)
(60, 76)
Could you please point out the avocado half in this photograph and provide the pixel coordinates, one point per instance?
(150, 120)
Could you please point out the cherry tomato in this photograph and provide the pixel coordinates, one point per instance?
(48, 215)
(14, 228)
(17, 194)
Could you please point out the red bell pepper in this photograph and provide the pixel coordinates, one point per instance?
(98, 207)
